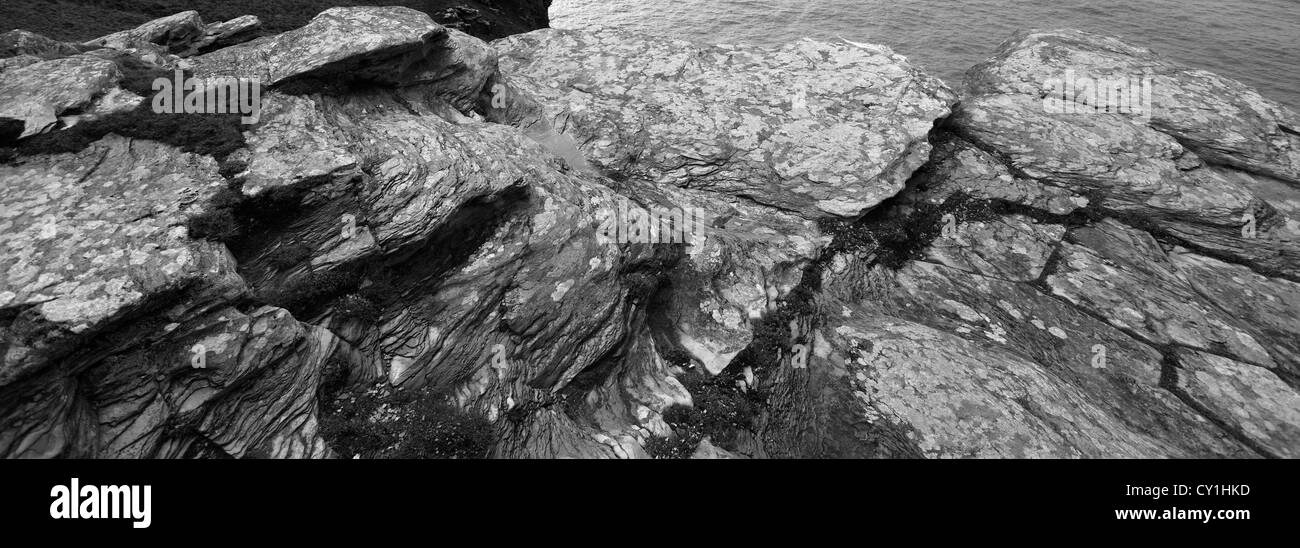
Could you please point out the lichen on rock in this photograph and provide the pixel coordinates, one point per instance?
(599, 244)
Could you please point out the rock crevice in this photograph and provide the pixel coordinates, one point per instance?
(606, 245)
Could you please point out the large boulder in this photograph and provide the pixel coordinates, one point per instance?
(20, 42)
(36, 94)
(1218, 118)
(817, 128)
(339, 45)
(174, 33)
(1125, 274)
(226, 33)
(580, 240)
(94, 238)
(107, 300)
(764, 142)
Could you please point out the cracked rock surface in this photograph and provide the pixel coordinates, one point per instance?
(606, 245)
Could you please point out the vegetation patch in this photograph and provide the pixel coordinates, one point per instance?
(288, 256)
(138, 76)
(377, 422)
(307, 295)
(216, 135)
(354, 306)
(676, 447)
(231, 216)
(644, 278)
(720, 411)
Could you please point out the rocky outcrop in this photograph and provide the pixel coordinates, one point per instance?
(175, 34)
(1220, 120)
(605, 245)
(1064, 282)
(38, 93)
(20, 42)
(366, 44)
(803, 137)
(766, 157)
(227, 33)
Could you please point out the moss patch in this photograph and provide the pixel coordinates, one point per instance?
(378, 423)
(720, 411)
(216, 135)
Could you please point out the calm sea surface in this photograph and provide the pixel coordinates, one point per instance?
(1255, 41)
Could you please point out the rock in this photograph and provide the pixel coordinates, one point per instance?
(947, 398)
(731, 159)
(1071, 253)
(226, 34)
(117, 304)
(16, 62)
(558, 233)
(816, 128)
(1138, 170)
(124, 252)
(292, 128)
(1091, 260)
(175, 33)
(264, 359)
(461, 66)
(1169, 175)
(1250, 400)
(19, 42)
(378, 44)
(746, 258)
(1011, 248)
(1123, 276)
(957, 167)
(1123, 377)
(1219, 119)
(1264, 306)
(1059, 340)
(37, 94)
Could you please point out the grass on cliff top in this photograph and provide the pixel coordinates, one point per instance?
(81, 20)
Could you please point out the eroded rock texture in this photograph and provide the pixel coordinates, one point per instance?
(1083, 284)
(605, 245)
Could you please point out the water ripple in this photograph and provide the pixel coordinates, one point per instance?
(1254, 41)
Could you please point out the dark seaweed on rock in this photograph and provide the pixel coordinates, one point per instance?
(433, 246)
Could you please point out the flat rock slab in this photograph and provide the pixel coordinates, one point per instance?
(38, 93)
(818, 128)
(20, 42)
(956, 399)
(360, 43)
(1248, 399)
(1221, 119)
(175, 33)
(1123, 276)
(1059, 340)
(227, 33)
(90, 237)
(1268, 307)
